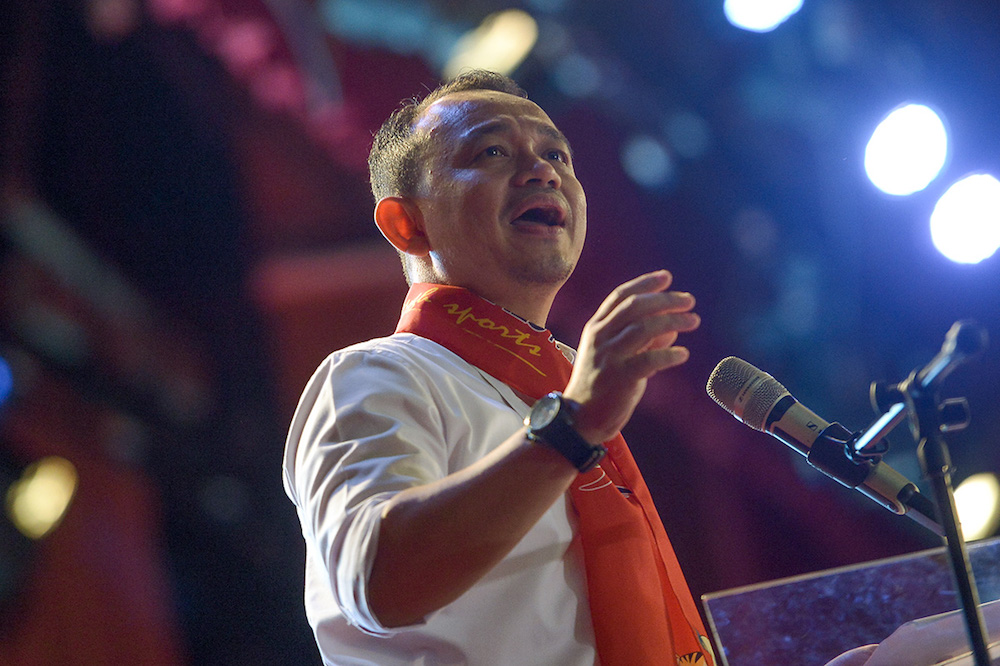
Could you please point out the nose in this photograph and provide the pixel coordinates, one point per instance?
(537, 170)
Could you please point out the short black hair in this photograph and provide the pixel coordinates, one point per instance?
(394, 161)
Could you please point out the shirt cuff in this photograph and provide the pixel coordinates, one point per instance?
(355, 564)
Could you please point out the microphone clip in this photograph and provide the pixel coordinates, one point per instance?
(833, 454)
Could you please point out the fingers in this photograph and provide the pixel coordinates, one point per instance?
(646, 364)
(856, 657)
(639, 315)
(630, 338)
(640, 333)
(636, 328)
(643, 295)
(656, 281)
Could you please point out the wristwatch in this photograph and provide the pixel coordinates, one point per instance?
(551, 422)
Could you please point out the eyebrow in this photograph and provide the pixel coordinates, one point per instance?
(497, 126)
(554, 133)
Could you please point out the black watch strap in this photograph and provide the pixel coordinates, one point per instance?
(551, 422)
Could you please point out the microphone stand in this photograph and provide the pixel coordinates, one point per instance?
(935, 463)
(929, 418)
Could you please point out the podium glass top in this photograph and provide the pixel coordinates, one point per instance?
(810, 619)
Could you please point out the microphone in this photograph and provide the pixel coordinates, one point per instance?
(761, 402)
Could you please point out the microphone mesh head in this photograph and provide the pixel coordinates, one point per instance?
(744, 391)
(727, 379)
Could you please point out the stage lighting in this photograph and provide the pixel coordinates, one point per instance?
(36, 502)
(907, 150)
(35, 498)
(647, 161)
(978, 502)
(576, 75)
(965, 223)
(760, 15)
(500, 43)
(689, 134)
(6, 381)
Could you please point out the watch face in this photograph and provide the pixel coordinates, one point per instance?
(543, 412)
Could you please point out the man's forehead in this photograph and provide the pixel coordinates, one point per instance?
(461, 112)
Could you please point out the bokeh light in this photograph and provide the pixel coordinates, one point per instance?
(977, 500)
(37, 502)
(689, 134)
(760, 15)
(965, 223)
(647, 161)
(907, 150)
(576, 75)
(500, 43)
(6, 380)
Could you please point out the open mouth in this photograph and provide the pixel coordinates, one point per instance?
(545, 215)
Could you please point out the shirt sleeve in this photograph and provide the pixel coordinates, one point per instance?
(366, 428)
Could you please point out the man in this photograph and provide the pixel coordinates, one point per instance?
(440, 528)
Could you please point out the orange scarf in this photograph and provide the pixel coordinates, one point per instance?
(640, 605)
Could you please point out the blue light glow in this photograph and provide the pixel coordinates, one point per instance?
(907, 150)
(576, 75)
(965, 224)
(6, 380)
(760, 15)
(647, 161)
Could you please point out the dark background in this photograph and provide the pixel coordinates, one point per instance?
(187, 232)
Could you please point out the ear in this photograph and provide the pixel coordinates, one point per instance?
(401, 222)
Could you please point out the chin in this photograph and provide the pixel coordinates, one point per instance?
(550, 272)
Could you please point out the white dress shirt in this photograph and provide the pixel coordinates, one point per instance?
(402, 411)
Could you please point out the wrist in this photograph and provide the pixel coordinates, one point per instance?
(584, 414)
(552, 422)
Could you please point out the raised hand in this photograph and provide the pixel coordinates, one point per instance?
(628, 340)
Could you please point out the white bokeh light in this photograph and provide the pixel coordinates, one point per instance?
(760, 15)
(501, 42)
(965, 223)
(907, 150)
(37, 502)
(977, 500)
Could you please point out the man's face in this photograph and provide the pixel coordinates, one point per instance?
(501, 205)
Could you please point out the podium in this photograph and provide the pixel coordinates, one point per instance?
(811, 619)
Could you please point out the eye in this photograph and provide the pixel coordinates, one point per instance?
(494, 151)
(559, 155)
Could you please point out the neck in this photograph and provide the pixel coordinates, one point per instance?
(528, 303)
(511, 289)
